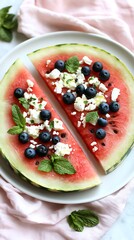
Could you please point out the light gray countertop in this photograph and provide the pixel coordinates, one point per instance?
(123, 228)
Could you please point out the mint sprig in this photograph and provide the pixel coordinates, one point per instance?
(8, 23)
(77, 220)
(57, 163)
(24, 102)
(92, 117)
(72, 64)
(19, 120)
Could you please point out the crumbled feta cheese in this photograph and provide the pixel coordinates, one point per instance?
(24, 114)
(58, 86)
(51, 147)
(68, 80)
(79, 124)
(30, 83)
(45, 125)
(58, 124)
(29, 89)
(90, 107)
(86, 60)
(82, 116)
(84, 122)
(80, 78)
(33, 142)
(62, 149)
(28, 120)
(107, 115)
(99, 98)
(79, 104)
(54, 74)
(73, 113)
(115, 93)
(94, 80)
(103, 88)
(35, 115)
(32, 146)
(95, 149)
(93, 143)
(48, 62)
(55, 133)
(33, 131)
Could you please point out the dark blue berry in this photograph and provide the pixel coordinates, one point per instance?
(97, 66)
(104, 107)
(55, 139)
(44, 136)
(85, 70)
(80, 89)
(23, 137)
(100, 133)
(45, 115)
(114, 106)
(41, 150)
(19, 92)
(104, 75)
(102, 122)
(90, 92)
(60, 65)
(30, 152)
(68, 98)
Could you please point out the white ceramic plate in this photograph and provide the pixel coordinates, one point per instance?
(111, 182)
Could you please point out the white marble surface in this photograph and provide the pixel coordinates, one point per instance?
(123, 228)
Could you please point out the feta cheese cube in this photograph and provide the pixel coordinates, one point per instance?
(115, 93)
(62, 149)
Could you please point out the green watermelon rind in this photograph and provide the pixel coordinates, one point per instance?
(116, 157)
(17, 165)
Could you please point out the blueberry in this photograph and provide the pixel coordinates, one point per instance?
(55, 139)
(97, 66)
(68, 98)
(45, 115)
(80, 89)
(60, 65)
(100, 133)
(30, 152)
(85, 70)
(41, 150)
(19, 92)
(90, 92)
(102, 122)
(114, 106)
(23, 137)
(104, 107)
(44, 136)
(104, 75)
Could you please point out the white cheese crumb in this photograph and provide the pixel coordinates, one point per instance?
(33, 142)
(103, 88)
(33, 131)
(62, 149)
(58, 124)
(24, 114)
(51, 147)
(93, 143)
(90, 107)
(73, 113)
(94, 80)
(32, 146)
(35, 115)
(54, 74)
(79, 124)
(58, 86)
(29, 89)
(30, 83)
(86, 60)
(55, 133)
(48, 62)
(95, 149)
(107, 115)
(79, 104)
(115, 93)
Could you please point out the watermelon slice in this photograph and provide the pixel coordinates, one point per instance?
(107, 83)
(20, 113)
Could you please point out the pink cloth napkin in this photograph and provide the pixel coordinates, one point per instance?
(22, 216)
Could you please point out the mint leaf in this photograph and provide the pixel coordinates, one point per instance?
(51, 125)
(78, 219)
(72, 64)
(15, 130)
(3, 14)
(75, 223)
(63, 166)
(92, 117)
(89, 218)
(18, 117)
(45, 166)
(10, 22)
(24, 102)
(5, 34)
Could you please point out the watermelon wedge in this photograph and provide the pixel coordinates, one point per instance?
(26, 113)
(96, 91)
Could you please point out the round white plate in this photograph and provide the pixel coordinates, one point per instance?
(111, 182)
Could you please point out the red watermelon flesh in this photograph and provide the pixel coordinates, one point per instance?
(119, 131)
(13, 150)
